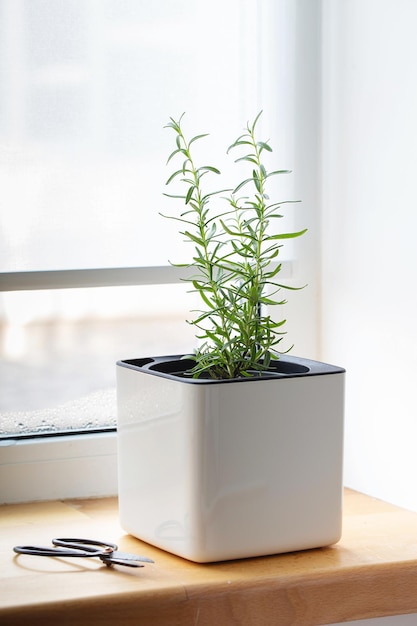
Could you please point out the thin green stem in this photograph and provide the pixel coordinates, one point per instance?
(202, 232)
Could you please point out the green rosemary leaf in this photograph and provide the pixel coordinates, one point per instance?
(264, 146)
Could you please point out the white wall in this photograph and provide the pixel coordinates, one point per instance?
(294, 39)
(369, 226)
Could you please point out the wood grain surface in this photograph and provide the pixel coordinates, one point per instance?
(371, 572)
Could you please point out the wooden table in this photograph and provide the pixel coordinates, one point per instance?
(371, 572)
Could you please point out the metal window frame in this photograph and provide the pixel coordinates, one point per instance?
(103, 277)
(94, 277)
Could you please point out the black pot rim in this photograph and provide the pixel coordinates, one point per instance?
(175, 367)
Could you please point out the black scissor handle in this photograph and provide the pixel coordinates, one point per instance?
(109, 553)
(41, 551)
(88, 545)
(77, 547)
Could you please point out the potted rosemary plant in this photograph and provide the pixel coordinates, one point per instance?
(236, 450)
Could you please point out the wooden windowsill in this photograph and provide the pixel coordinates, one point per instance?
(371, 572)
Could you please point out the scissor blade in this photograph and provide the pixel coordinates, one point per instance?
(126, 556)
(108, 560)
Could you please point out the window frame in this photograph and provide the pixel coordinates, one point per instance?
(58, 467)
(94, 277)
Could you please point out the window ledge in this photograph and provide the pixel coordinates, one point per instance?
(72, 466)
(371, 572)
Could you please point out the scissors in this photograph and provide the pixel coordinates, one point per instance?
(107, 552)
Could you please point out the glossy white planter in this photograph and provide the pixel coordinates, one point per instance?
(223, 470)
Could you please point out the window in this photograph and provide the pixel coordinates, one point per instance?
(88, 86)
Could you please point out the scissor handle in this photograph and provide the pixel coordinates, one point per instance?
(87, 545)
(76, 547)
(41, 551)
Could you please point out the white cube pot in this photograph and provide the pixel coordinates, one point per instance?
(216, 470)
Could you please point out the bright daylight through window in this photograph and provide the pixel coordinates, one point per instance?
(87, 87)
